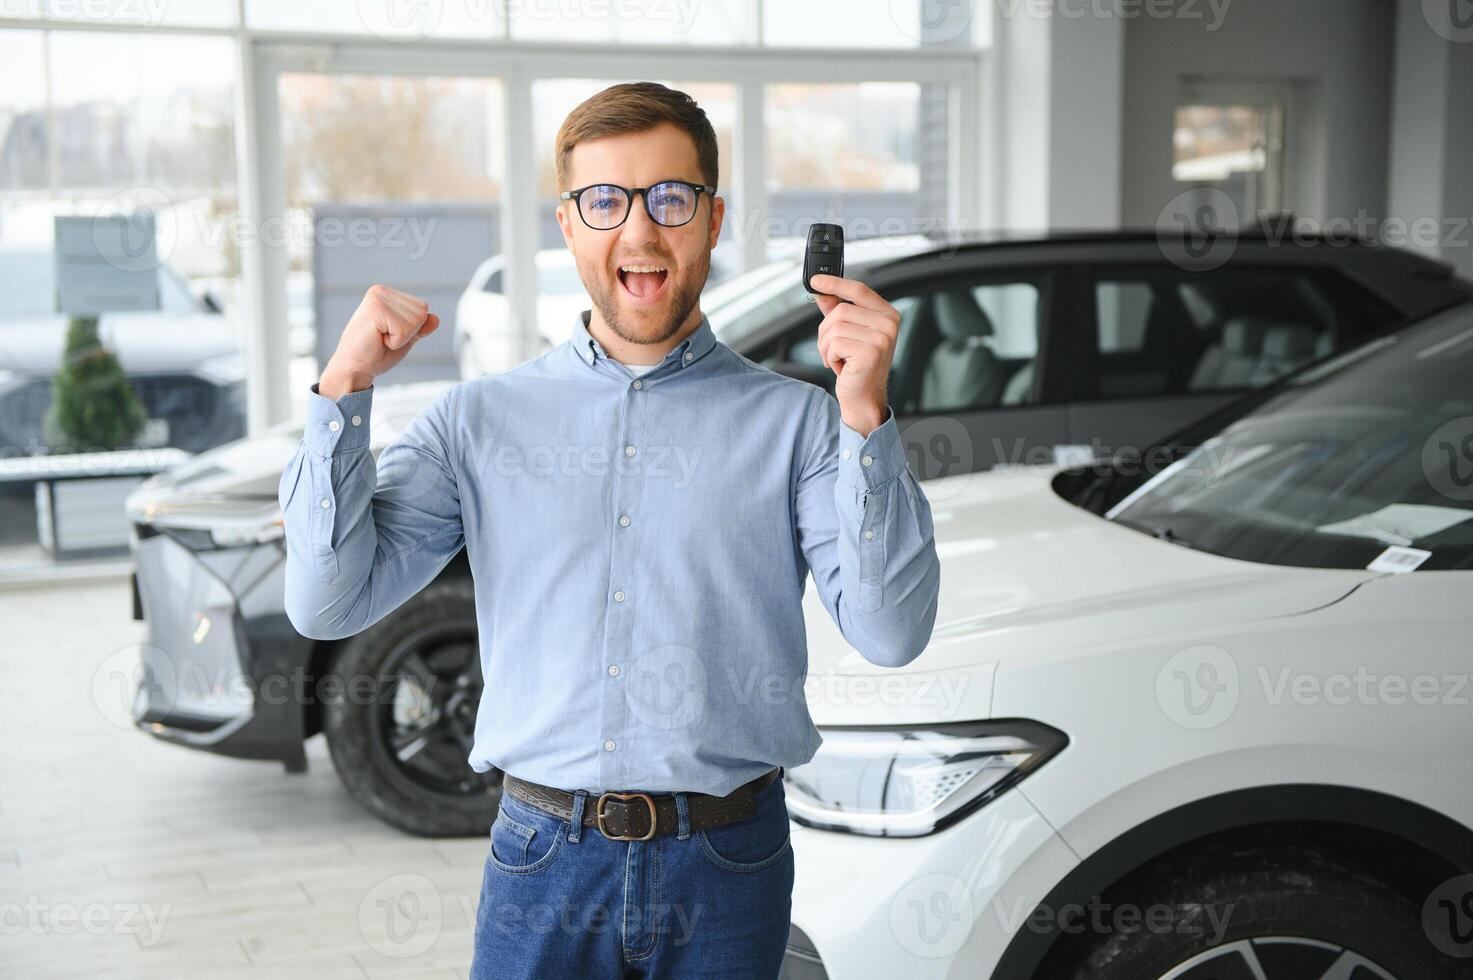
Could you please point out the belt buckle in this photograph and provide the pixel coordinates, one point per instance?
(598, 812)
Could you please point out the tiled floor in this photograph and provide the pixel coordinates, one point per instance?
(122, 856)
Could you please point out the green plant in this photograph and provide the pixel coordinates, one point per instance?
(92, 404)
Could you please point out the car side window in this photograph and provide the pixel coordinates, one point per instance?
(804, 347)
(1172, 333)
(493, 283)
(973, 345)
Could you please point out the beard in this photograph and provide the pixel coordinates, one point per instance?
(684, 295)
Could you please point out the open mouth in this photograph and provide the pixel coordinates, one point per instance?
(643, 283)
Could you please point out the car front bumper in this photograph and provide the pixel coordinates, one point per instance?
(942, 906)
(222, 670)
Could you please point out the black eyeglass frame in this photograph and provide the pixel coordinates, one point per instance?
(644, 196)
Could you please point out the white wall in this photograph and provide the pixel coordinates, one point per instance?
(1431, 156)
(1335, 55)
(1057, 79)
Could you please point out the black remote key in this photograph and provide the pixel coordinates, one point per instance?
(824, 253)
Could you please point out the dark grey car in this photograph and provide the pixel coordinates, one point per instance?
(183, 360)
(1009, 352)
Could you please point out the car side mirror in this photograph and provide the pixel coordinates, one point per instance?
(820, 376)
(211, 303)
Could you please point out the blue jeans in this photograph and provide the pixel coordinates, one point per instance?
(562, 900)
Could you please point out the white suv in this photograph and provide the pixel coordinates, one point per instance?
(1199, 713)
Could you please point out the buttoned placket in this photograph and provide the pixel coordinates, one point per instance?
(626, 492)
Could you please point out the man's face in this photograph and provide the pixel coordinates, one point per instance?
(648, 307)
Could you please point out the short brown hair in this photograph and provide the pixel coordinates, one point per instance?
(634, 107)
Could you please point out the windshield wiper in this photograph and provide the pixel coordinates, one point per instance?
(1159, 532)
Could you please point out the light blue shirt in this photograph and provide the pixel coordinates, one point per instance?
(640, 548)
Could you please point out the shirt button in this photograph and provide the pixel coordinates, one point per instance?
(869, 535)
(866, 460)
(325, 503)
(628, 450)
(357, 420)
(638, 383)
(618, 597)
(623, 520)
(613, 670)
(689, 357)
(845, 454)
(333, 425)
(608, 745)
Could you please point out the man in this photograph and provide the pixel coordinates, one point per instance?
(640, 508)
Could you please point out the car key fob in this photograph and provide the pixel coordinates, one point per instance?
(824, 254)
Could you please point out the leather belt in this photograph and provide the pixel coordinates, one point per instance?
(640, 816)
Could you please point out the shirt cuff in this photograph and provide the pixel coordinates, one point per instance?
(869, 462)
(337, 426)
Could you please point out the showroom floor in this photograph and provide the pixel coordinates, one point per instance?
(127, 857)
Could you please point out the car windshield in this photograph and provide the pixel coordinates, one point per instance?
(1365, 459)
(28, 285)
(738, 306)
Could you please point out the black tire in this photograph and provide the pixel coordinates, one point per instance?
(1292, 912)
(400, 725)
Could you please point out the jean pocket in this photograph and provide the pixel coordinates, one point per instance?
(758, 842)
(525, 842)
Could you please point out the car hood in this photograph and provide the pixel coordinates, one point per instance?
(1026, 574)
(245, 474)
(143, 342)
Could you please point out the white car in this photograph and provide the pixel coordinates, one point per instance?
(486, 340)
(485, 336)
(1201, 714)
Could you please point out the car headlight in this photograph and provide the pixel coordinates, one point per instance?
(913, 781)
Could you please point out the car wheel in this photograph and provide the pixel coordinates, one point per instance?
(1257, 915)
(403, 721)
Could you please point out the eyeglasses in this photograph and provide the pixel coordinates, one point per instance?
(670, 203)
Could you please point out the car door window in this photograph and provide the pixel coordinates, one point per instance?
(975, 345)
(1172, 333)
(804, 348)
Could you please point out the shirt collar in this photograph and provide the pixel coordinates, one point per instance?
(687, 352)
